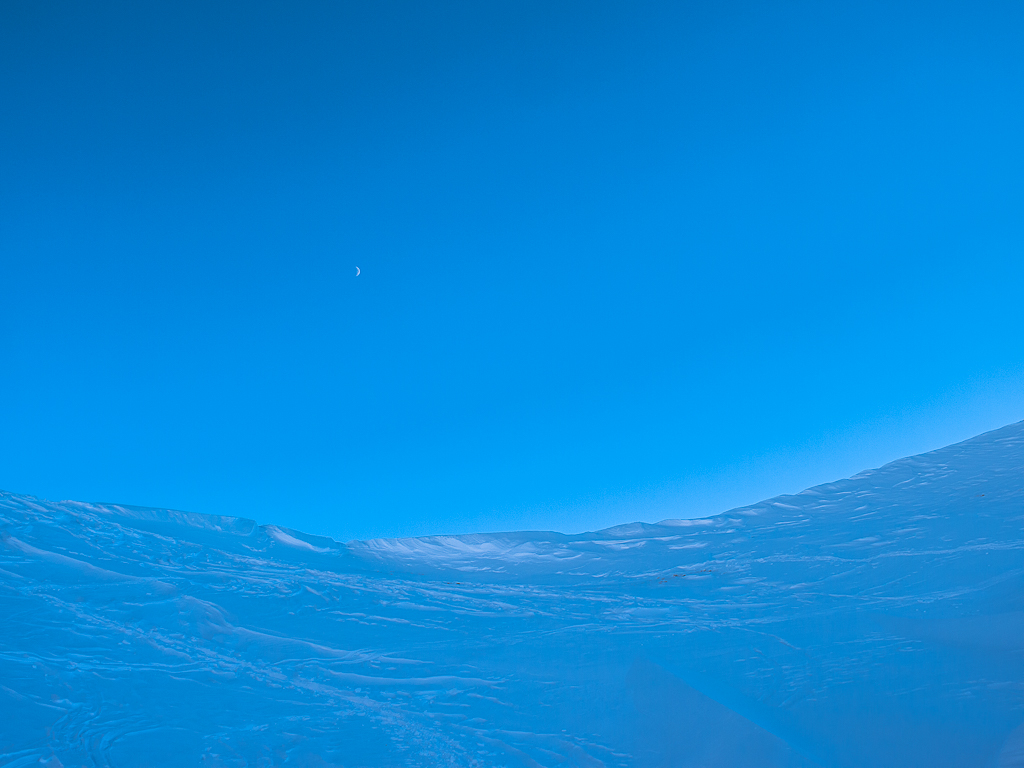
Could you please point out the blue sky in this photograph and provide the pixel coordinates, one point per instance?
(619, 261)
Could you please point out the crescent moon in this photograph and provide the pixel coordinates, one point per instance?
(357, 271)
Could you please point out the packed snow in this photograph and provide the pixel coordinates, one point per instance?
(876, 621)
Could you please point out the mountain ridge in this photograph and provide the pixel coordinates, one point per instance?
(204, 519)
(872, 621)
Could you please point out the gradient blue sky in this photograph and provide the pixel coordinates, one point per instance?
(619, 261)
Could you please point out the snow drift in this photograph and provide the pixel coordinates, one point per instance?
(875, 621)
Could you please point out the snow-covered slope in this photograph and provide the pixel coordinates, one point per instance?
(876, 621)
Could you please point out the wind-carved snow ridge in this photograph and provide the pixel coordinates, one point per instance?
(875, 621)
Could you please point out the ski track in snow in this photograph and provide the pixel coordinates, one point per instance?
(874, 621)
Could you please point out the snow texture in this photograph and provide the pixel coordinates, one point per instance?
(875, 621)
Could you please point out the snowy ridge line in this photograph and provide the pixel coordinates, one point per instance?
(874, 621)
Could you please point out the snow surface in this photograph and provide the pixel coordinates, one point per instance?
(875, 621)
